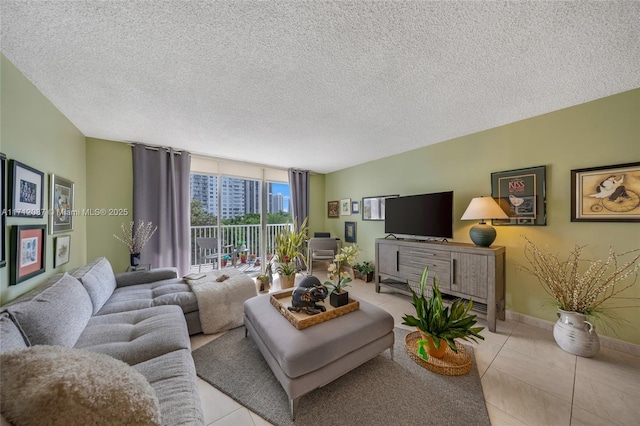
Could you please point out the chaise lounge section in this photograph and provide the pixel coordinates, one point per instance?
(143, 319)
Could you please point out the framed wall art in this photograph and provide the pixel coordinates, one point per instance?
(61, 193)
(355, 207)
(350, 232)
(521, 195)
(332, 209)
(3, 210)
(373, 208)
(27, 252)
(25, 190)
(606, 194)
(62, 248)
(345, 207)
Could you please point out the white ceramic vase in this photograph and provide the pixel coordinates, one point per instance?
(574, 334)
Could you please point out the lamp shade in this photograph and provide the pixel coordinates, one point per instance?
(481, 208)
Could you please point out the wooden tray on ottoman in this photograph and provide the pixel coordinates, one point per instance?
(301, 320)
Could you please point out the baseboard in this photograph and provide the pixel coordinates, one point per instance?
(605, 341)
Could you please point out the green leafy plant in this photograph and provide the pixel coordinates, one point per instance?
(441, 322)
(364, 268)
(288, 248)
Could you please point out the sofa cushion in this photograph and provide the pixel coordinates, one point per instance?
(136, 336)
(167, 292)
(69, 386)
(56, 315)
(173, 377)
(11, 335)
(98, 278)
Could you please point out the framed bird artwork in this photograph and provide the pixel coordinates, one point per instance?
(521, 195)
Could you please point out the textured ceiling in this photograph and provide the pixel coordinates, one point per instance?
(316, 85)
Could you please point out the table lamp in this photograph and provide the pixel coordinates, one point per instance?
(482, 208)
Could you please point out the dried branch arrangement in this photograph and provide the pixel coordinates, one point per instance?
(135, 238)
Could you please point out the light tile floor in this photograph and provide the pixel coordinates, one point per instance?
(526, 378)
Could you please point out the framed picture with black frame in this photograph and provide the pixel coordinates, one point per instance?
(27, 252)
(350, 232)
(26, 190)
(606, 193)
(521, 195)
(332, 209)
(61, 192)
(3, 219)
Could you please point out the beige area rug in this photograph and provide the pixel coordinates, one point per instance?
(379, 392)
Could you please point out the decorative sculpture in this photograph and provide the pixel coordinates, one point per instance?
(306, 295)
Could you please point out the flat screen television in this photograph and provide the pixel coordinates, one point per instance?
(424, 215)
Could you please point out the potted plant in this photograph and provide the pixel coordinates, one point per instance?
(226, 258)
(438, 324)
(581, 290)
(338, 271)
(364, 271)
(288, 252)
(135, 238)
(264, 280)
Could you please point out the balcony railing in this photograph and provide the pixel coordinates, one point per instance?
(234, 235)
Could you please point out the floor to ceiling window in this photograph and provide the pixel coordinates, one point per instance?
(239, 214)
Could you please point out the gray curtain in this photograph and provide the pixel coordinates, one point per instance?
(299, 185)
(161, 195)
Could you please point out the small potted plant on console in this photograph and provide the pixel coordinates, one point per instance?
(440, 325)
(364, 271)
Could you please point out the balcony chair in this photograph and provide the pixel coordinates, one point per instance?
(208, 249)
(321, 249)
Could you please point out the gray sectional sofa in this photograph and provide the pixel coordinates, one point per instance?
(141, 318)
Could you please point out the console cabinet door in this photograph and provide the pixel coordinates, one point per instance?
(388, 259)
(469, 273)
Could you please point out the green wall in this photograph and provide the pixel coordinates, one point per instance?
(598, 133)
(35, 133)
(110, 177)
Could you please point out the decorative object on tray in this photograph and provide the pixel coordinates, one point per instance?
(583, 289)
(135, 238)
(438, 324)
(364, 271)
(288, 250)
(307, 294)
(300, 320)
(338, 271)
(450, 364)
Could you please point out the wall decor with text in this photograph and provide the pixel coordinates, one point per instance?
(521, 195)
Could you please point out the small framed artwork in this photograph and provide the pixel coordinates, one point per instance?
(521, 195)
(332, 209)
(350, 232)
(345, 207)
(60, 204)
(3, 210)
(27, 252)
(606, 194)
(62, 247)
(25, 190)
(355, 207)
(373, 208)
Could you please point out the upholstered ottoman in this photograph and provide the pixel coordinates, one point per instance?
(303, 360)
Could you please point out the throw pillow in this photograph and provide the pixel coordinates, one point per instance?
(54, 385)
